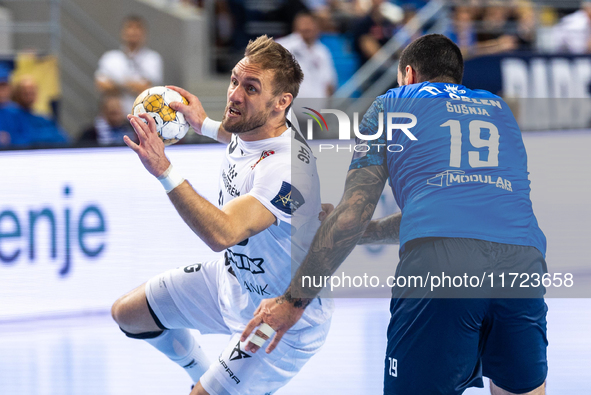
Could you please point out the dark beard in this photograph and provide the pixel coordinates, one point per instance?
(249, 124)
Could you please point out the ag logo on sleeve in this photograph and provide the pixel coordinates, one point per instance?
(289, 199)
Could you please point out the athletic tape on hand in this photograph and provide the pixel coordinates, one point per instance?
(258, 341)
(267, 330)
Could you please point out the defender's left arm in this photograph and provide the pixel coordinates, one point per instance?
(335, 239)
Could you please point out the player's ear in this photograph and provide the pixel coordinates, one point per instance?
(411, 76)
(285, 99)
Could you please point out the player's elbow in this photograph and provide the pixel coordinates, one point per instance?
(219, 243)
(218, 247)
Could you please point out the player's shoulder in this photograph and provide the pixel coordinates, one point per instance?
(436, 90)
(422, 89)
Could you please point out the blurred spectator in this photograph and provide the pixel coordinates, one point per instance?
(109, 126)
(39, 131)
(11, 126)
(526, 26)
(253, 18)
(45, 71)
(320, 76)
(372, 31)
(132, 68)
(462, 30)
(496, 33)
(573, 32)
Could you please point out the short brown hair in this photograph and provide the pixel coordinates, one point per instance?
(269, 55)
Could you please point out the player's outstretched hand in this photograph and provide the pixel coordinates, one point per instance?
(327, 208)
(193, 112)
(150, 148)
(279, 314)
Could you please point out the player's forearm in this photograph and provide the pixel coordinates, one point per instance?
(339, 233)
(208, 222)
(383, 231)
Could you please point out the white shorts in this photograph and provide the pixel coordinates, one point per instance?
(189, 297)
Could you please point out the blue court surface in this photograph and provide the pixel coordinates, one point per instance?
(89, 355)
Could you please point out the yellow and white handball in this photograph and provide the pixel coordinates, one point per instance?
(170, 124)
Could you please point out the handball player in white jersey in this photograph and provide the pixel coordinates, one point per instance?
(266, 215)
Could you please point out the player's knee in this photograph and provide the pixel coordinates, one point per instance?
(199, 390)
(124, 314)
(118, 311)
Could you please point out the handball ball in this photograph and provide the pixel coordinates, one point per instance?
(155, 101)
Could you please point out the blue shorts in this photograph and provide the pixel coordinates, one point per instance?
(440, 345)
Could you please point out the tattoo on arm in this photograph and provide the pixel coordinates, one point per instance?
(383, 231)
(339, 233)
(300, 303)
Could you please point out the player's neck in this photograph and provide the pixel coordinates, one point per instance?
(273, 128)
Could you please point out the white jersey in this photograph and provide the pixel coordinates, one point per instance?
(280, 173)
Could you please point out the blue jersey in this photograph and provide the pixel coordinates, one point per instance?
(464, 176)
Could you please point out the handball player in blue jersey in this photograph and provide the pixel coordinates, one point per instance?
(461, 182)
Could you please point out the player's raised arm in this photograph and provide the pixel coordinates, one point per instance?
(239, 219)
(197, 117)
(335, 239)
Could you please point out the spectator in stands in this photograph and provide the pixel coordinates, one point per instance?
(132, 68)
(496, 33)
(526, 26)
(372, 31)
(320, 76)
(109, 126)
(39, 131)
(573, 32)
(462, 30)
(11, 127)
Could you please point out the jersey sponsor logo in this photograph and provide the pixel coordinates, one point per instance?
(243, 262)
(228, 264)
(264, 155)
(289, 199)
(304, 155)
(456, 177)
(192, 268)
(237, 353)
(227, 177)
(454, 89)
(257, 289)
(233, 144)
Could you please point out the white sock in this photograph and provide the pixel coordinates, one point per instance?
(180, 346)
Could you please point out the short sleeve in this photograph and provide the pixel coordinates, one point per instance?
(370, 152)
(272, 187)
